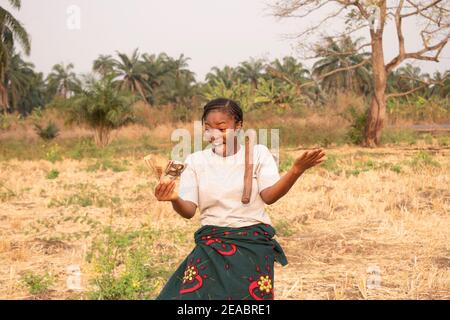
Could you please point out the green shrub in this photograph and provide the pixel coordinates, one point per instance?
(443, 141)
(330, 163)
(286, 163)
(358, 122)
(283, 228)
(123, 267)
(49, 132)
(37, 284)
(105, 164)
(103, 107)
(53, 154)
(53, 174)
(396, 168)
(423, 159)
(397, 136)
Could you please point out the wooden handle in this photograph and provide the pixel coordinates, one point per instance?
(248, 173)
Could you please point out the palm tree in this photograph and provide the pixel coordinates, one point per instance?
(26, 88)
(169, 80)
(180, 67)
(292, 72)
(156, 67)
(11, 31)
(250, 71)
(35, 94)
(289, 69)
(104, 65)
(132, 74)
(182, 79)
(408, 78)
(19, 75)
(227, 75)
(342, 54)
(103, 107)
(62, 81)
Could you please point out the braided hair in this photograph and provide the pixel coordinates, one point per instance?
(226, 105)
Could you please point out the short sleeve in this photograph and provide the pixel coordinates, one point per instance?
(188, 187)
(267, 173)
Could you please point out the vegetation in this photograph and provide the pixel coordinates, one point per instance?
(103, 106)
(48, 132)
(359, 206)
(36, 283)
(105, 100)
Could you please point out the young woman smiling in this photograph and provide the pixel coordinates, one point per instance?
(235, 250)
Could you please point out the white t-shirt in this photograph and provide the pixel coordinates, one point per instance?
(215, 184)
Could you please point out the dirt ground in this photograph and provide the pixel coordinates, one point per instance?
(373, 224)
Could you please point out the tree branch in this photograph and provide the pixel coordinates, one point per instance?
(418, 9)
(419, 55)
(424, 85)
(354, 66)
(402, 94)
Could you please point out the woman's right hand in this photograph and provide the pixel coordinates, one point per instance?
(165, 190)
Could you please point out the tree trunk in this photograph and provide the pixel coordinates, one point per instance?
(101, 136)
(254, 84)
(377, 111)
(3, 93)
(3, 99)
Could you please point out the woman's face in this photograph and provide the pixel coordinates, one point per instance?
(221, 130)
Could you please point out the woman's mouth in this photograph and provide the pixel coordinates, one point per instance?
(217, 142)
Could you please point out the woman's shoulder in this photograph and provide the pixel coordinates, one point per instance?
(196, 156)
(262, 149)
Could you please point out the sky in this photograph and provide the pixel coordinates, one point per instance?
(209, 32)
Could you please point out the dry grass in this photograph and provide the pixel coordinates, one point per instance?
(353, 215)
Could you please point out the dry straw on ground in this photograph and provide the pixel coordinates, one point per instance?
(376, 234)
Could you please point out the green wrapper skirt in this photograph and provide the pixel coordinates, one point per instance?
(227, 264)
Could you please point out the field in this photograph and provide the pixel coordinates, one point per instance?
(366, 224)
(78, 216)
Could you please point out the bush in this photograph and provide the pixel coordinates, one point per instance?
(358, 121)
(331, 163)
(283, 228)
(397, 136)
(103, 107)
(53, 174)
(423, 159)
(122, 263)
(53, 154)
(37, 284)
(48, 132)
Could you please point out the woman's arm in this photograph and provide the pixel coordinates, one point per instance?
(281, 187)
(184, 208)
(165, 191)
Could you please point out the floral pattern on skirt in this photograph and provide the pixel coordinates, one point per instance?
(227, 264)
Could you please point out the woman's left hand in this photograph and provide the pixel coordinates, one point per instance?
(307, 160)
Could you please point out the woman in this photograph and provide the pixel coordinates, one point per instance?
(235, 250)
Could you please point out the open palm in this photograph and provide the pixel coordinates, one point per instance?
(308, 159)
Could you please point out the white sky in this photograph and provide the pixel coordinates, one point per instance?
(210, 32)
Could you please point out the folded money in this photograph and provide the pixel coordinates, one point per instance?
(172, 171)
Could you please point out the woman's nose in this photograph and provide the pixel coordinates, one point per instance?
(213, 134)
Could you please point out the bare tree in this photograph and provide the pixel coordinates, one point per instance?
(431, 16)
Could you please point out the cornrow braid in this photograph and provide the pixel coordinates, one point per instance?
(229, 106)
